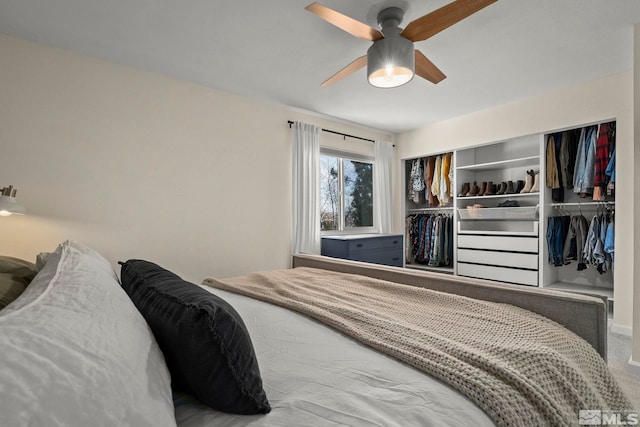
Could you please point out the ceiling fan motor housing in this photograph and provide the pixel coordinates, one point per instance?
(391, 60)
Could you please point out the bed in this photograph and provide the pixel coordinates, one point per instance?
(82, 346)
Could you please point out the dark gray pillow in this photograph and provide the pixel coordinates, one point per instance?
(10, 289)
(205, 342)
(15, 275)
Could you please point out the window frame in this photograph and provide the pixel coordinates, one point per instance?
(358, 157)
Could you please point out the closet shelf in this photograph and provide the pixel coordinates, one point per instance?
(521, 213)
(445, 270)
(500, 196)
(581, 289)
(533, 161)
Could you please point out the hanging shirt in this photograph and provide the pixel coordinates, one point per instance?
(437, 175)
(430, 170)
(585, 161)
(445, 183)
(552, 179)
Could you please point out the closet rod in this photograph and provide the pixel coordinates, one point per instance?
(438, 209)
(344, 135)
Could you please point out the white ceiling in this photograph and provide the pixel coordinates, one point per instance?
(275, 51)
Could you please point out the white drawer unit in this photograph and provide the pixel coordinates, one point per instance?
(505, 259)
(502, 274)
(499, 243)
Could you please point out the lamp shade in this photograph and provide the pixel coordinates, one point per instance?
(390, 62)
(8, 204)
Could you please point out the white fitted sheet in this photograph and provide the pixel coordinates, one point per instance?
(315, 376)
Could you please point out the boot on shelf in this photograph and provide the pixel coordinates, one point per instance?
(510, 188)
(536, 184)
(483, 189)
(473, 190)
(502, 189)
(529, 182)
(491, 189)
(464, 190)
(519, 186)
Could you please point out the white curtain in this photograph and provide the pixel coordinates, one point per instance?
(306, 188)
(382, 186)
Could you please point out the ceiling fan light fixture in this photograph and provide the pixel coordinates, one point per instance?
(390, 62)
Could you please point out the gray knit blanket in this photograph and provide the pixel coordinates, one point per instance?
(519, 367)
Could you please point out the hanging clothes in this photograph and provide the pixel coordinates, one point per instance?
(431, 239)
(432, 199)
(552, 179)
(585, 161)
(444, 194)
(575, 241)
(611, 173)
(594, 251)
(600, 179)
(557, 229)
(563, 164)
(437, 175)
(416, 181)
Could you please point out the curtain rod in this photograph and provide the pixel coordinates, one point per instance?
(344, 135)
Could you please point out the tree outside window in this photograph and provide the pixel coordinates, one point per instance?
(346, 193)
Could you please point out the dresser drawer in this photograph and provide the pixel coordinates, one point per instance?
(506, 259)
(501, 274)
(384, 249)
(499, 243)
(391, 257)
(371, 243)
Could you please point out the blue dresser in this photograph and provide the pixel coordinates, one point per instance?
(386, 249)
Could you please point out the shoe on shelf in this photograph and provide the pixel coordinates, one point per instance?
(519, 186)
(490, 190)
(473, 190)
(529, 183)
(536, 184)
(465, 189)
(502, 189)
(483, 189)
(510, 188)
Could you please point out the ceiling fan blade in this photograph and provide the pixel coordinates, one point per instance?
(440, 19)
(427, 70)
(346, 71)
(350, 25)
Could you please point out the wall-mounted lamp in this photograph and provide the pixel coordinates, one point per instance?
(8, 204)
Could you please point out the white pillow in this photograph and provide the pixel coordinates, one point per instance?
(76, 352)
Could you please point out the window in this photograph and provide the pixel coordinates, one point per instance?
(346, 192)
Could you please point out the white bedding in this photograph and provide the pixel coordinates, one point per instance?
(315, 376)
(75, 352)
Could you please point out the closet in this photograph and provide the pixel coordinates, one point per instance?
(429, 219)
(510, 202)
(579, 250)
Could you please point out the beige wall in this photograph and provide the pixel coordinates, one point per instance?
(608, 98)
(138, 165)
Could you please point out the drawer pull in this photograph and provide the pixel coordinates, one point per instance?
(359, 245)
(395, 242)
(395, 259)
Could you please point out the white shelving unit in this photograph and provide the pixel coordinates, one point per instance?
(496, 242)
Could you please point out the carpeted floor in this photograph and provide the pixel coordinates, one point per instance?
(619, 351)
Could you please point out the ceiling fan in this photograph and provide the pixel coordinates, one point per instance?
(392, 59)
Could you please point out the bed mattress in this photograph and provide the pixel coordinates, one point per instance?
(315, 376)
